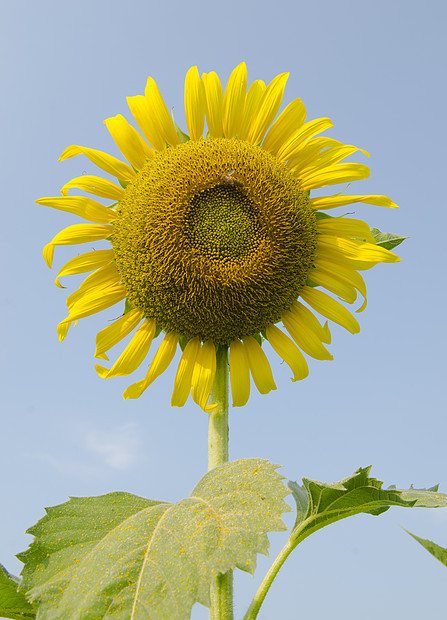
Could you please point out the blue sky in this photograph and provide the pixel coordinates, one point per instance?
(376, 69)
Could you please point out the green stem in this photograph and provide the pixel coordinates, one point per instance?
(222, 589)
(260, 595)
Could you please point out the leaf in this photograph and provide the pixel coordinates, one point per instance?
(183, 341)
(122, 556)
(320, 504)
(13, 604)
(310, 282)
(181, 134)
(328, 503)
(440, 553)
(387, 240)
(128, 305)
(301, 498)
(259, 338)
(321, 215)
(426, 498)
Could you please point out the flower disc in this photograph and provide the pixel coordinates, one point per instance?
(214, 239)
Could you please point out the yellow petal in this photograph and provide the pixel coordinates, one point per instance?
(327, 334)
(183, 377)
(330, 308)
(134, 148)
(78, 233)
(311, 321)
(234, 101)
(101, 278)
(214, 101)
(239, 374)
(333, 175)
(356, 249)
(85, 262)
(62, 330)
(253, 102)
(133, 355)
(195, 105)
(345, 227)
(309, 150)
(288, 122)
(160, 113)
(295, 141)
(114, 333)
(80, 205)
(161, 361)
(304, 336)
(203, 376)
(106, 162)
(95, 185)
(259, 366)
(268, 109)
(289, 352)
(330, 202)
(96, 300)
(334, 253)
(345, 273)
(139, 107)
(327, 158)
(346, 292)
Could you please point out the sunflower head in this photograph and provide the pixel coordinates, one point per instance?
(216, 240)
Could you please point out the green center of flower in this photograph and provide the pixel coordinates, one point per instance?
(222, 223)
(214, 239)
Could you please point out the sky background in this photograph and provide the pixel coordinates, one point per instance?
(376, 69)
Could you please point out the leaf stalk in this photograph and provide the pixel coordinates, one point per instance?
(260, 595)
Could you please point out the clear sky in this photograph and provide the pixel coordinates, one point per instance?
(377, 70)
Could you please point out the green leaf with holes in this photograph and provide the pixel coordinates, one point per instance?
(121, 556)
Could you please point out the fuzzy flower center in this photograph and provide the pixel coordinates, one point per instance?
(222, 223)
(214, 239)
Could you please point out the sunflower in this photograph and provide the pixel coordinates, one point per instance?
(215, 240)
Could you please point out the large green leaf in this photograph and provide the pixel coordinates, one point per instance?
(387, 240)
(13, 604)
(327, 503)
(121, 556)
(440, 553)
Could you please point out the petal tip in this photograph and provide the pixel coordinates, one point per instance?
(102, 371)
(129, 395)
(209, 408)
(68, 152)
(48, 253)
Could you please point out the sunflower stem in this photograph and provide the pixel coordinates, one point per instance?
(218, 419)
(222, 588)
